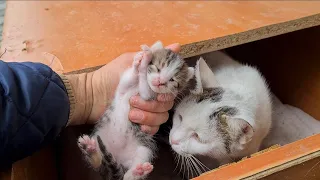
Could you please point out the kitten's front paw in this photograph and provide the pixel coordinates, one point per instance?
(87, 144)
(146, 59)
(137, 59)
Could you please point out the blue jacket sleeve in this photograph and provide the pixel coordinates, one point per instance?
(34, 108)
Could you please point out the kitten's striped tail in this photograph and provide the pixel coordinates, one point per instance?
(109, 168)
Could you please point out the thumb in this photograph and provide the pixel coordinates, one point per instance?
(174, 47)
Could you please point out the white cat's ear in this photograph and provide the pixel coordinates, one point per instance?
(242, 129)
(190, 73)
(156, 46)
(204, 76)
(246, 132)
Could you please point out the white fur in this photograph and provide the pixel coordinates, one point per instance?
(245, 89)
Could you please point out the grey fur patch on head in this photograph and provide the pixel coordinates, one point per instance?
(227, 110)
(214, 94)
(163, 58)
(222, 126)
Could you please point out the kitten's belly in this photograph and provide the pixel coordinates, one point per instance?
(122, 145)
(118, 139)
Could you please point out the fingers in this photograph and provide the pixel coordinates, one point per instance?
(174, 47)
(148, 118)
(164, 103)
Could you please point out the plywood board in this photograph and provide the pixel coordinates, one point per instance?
(85, 34)
(269, 162)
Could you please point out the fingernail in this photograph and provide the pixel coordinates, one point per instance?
(136, 115)
(134, 100)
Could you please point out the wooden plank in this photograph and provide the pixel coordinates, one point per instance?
(265, 161)
(308, 170)
(86, 34)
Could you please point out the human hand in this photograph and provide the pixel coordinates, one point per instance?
(96, 91)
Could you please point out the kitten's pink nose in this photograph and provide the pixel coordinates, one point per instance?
(156, 82)
(174, 142)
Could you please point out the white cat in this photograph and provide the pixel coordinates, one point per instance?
(228, 114)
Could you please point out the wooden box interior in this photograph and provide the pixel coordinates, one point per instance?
(291, 65)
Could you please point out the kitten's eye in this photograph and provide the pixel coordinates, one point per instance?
(180, 117)
(171, 80)
(157, 69)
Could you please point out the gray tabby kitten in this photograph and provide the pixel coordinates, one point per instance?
(117, 145)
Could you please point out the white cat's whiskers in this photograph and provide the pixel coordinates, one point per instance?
(196, 166)
(184, 165)
(188, 167)
(177, 156)
(205, 168)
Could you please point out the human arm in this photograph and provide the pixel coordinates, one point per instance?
(34, 108)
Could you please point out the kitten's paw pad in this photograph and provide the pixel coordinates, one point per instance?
(142, 169)
(137, 59)
(87, 144)
(138, 171)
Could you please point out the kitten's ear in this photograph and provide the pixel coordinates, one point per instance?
(145, 48)
(204, 76)
(242, 129)
(156, 46)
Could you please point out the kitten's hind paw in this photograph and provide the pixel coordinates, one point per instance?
(87, 145)
(142, 169)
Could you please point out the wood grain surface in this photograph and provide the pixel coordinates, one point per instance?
(85, 34)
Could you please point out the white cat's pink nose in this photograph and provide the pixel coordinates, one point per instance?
(174, 142)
